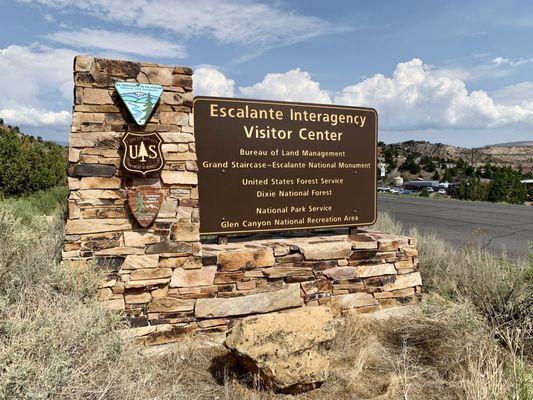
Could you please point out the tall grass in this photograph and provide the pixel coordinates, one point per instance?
(468, 339)
(44, 202)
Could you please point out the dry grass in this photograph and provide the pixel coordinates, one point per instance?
(468, 340)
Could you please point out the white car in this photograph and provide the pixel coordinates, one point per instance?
(442, 191)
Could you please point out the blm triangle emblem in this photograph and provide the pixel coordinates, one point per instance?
(140, 98)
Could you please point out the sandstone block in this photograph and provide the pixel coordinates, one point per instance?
(366, 271)
(140, 262)
(82, 170)
(158, 75)
(404, 264)
(140, 239)
(177, 137)
(145, 283)
(404, 281)
(325, 250)
(170, 305)
(409, 251)
(179, 177)
(363, 242)
(96, 96)
(174, 118)
(183, 231)
(287, 350)
(99, 183)
(103, 140)
(169, 248)
(246, 259)
(252, 304)
(80, 226)
(150, 273)
(338, 273)
(355, 300)
(388, 244)
(193, 277)
(83, 63)
(139, 298)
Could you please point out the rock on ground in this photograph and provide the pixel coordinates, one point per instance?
(286, 350)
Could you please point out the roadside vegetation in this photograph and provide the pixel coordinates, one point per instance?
(470, 337)
(486, 182)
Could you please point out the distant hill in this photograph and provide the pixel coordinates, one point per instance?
(512, 144)
(513, 154)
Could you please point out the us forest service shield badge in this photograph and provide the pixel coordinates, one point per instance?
(144, 203)
(142, 153)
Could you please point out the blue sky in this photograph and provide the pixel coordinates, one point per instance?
(459, 72)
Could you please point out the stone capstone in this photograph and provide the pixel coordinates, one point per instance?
(325, 250)
(251, 304)
(287, 350)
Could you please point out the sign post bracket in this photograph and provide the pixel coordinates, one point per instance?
(353, 230)
(222, 239)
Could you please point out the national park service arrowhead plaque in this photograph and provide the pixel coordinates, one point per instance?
(140, 99)
(142, 153)
(144, 203)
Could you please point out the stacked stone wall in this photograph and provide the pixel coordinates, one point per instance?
(162, 278)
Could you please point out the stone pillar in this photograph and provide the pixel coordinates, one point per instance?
(100, 228)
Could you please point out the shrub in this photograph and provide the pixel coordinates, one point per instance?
(424, 192)
(29, 165)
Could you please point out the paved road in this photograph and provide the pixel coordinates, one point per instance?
(498, 226)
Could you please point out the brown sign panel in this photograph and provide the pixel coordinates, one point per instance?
(144, 203)
(274, 166)
(142, 153)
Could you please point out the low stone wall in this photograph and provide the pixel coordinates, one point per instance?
(366, 272)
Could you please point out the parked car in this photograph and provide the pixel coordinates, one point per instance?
(406, 191)
(442, 191)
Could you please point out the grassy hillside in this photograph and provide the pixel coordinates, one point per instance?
(470, 338)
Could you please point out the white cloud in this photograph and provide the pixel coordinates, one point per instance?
(518, 94)
(228, 21)
(34, 82)
(30, 116)
(512, 63)
(417, 97)
(123, 42)
(208, 81)
(293, 85)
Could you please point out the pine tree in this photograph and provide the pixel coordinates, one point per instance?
(142, 152)
(148, 109)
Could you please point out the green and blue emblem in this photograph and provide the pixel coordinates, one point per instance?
(140, 99)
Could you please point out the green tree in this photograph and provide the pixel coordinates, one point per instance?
(448, 175)
(424, 192)
(430, 166)
(436, 176)
(472, 189)
(505, 186)
(410, 165)
(29, 165)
